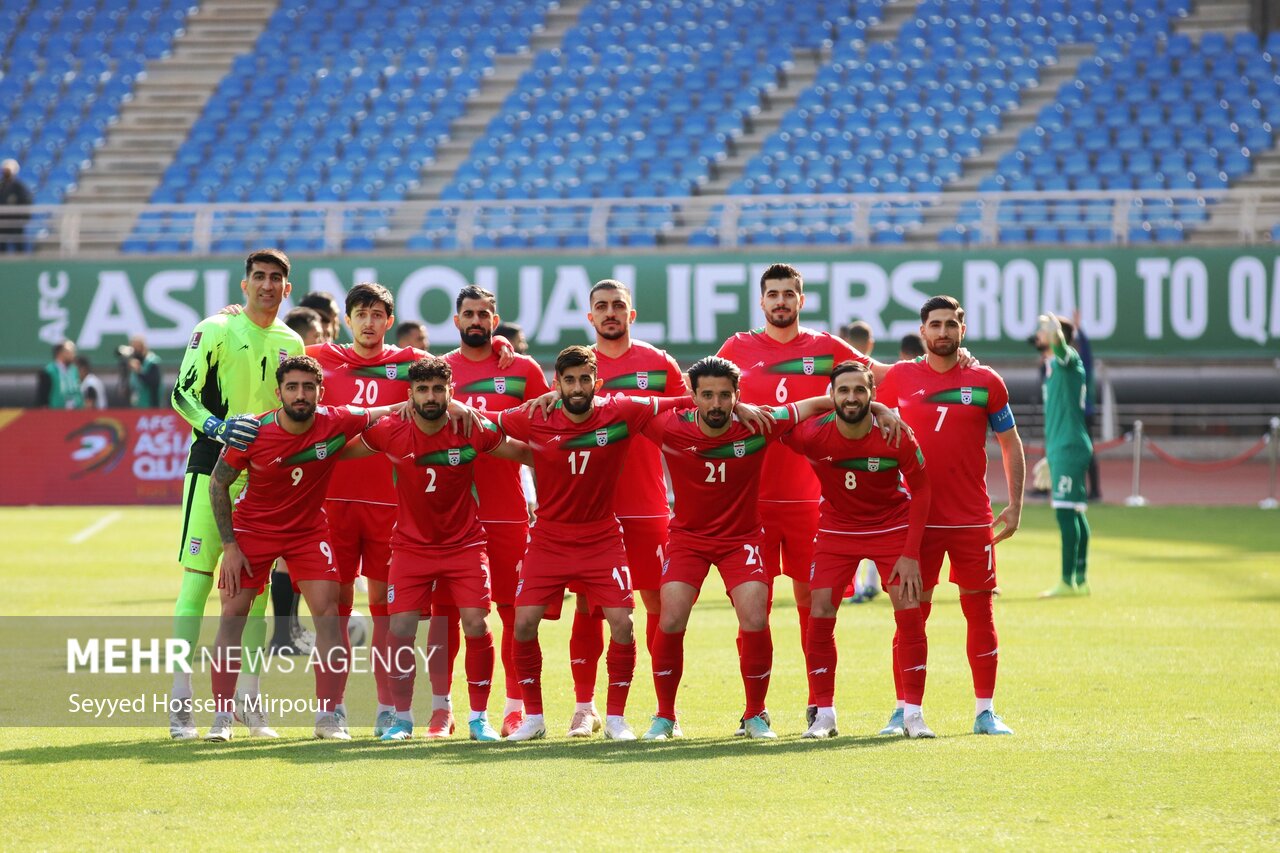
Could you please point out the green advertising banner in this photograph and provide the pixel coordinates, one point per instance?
(1134, 302)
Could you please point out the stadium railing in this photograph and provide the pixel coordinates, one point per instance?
(1238, 216)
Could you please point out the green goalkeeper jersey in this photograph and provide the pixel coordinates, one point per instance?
(228, 368)
(1064, 391)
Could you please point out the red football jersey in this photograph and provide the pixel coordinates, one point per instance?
(862, 479)
(642, 369)
(775, 374)
(484, 386)
(351, 379)
(716, 480)
(578, 465)
(434, 478)
(288, 474)
(949, 413)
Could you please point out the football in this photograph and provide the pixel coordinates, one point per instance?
(358, 628)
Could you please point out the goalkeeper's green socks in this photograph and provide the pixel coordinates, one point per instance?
(188, 613)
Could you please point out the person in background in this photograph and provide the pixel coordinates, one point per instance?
(858, 334)
(140, 373)
(910, 347)
(1090, 403)
(93, 391)
(58, 385)
(412, 334)
(308, 324)
(514, 332)
(323, 303)
(13, 193)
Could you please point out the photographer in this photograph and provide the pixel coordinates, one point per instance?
(140, 373)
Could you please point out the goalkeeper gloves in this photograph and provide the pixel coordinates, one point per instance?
(237, 432)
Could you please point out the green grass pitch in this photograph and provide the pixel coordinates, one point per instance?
(1147, 717)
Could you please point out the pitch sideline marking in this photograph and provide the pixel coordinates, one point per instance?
(97, 527)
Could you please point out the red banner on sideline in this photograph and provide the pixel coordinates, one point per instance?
(53, 457)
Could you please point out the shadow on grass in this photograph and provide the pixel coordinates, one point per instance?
(300, 750)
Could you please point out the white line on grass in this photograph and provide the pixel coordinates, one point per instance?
(98, 526)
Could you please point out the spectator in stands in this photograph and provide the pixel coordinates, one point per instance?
(308, 323)
(93, 391)
(140, 373)
(514, 332)
(412, 334)
(13, 193)
(58, 385)
(858, 335)
(323, 303)
(911, 347)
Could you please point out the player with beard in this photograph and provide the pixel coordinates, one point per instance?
(438, 544)
(625, 366)
(281, 514)
(489, 381)
(715, 463)
(866, 514)
(950, 406)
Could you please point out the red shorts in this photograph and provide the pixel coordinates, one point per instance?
(415, 574)
(973, 557)
(836, 557)
(309, 557)
(507, 543)
(361, 537)
(646, 542)
(690, 557)
(590, 557)
(789, 531)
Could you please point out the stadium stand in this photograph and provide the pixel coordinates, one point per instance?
(65, 68)
(352, 112)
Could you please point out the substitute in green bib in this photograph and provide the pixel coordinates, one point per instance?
(1067, 448)
(228, 375)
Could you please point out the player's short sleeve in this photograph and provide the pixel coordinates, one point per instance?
(656, 429)
(515, 423)
(999, 413)
(887, 390)
(638, 411)
(798, 437)
(844, 351)
(785, 420)
(536, 381)
(378, 436)
(486, 437)
(352, 420)
(911, 457)
(675, 379)
(235, 459)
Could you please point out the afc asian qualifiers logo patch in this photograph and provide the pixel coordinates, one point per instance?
(391, 593)
(602, 437)
(739, 448)
(966, 395)
(642, 380)
(283, 355)
(807, 364)
(391, 371)
(500, 384)
(455, 455)
(194, 546)
(322, 450)
(195, 340)
(873, 464)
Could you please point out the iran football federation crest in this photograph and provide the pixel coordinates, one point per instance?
(739, 448)
(642, 380)
(283, 355)
(455, 455)
(602, 437)
(807, 364)
(500, 384)
(873, 464)
(322, 450)
(194, 546)
(391, 371)
(966, 395)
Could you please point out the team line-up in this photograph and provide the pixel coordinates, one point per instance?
(786, 453)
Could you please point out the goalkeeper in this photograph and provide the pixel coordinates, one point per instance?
(228, 375)
(1068, 449)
